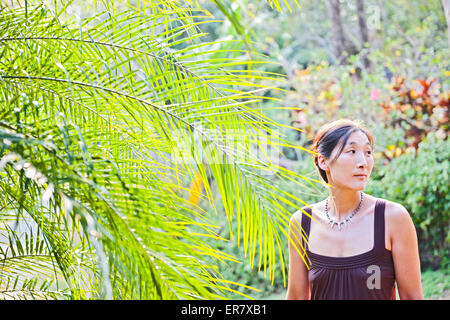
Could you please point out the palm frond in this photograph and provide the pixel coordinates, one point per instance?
(104, 125)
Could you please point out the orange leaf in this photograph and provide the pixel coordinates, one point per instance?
(196, 188)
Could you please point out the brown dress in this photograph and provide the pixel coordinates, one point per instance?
(366, 276)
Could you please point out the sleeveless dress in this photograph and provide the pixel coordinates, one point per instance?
(366, 276)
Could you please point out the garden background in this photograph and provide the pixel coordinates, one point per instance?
(156, 150)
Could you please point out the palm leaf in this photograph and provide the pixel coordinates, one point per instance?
(114, 123)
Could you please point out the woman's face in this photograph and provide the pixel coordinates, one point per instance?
(356, 159)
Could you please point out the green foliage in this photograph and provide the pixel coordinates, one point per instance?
(420, 183)
(255, 277)
(436, 284)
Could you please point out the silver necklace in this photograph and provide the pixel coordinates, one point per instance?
(344, 222)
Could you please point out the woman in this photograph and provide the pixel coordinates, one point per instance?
(357, 246)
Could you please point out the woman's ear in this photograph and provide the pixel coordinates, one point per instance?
(322, 163)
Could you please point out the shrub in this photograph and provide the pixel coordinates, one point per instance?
(417, 110)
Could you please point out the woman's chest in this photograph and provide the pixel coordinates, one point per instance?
(351, 240)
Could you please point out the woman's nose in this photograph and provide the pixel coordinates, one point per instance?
(361, 160)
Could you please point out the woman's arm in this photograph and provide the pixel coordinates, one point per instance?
(405, 252)
(298, 284)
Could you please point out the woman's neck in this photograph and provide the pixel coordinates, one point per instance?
(342, 203)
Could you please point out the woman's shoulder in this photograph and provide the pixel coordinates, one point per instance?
(306, 210)
(399, 224)
(393, 208)
(395, 213)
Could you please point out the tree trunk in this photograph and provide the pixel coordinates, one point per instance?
(446, 5)
(337, 30)
(364, 34)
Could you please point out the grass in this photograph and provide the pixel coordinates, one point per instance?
(436, 284)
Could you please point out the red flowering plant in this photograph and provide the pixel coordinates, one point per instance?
(418, 108)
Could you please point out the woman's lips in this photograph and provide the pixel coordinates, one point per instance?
(360, 176)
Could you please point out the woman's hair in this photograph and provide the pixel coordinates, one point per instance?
(331, 134)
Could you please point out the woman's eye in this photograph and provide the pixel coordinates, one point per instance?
(369, 152)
